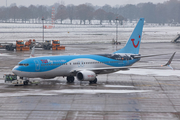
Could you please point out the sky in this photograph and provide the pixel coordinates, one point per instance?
(76, 2)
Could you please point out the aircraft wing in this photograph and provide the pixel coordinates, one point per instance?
(114, 69)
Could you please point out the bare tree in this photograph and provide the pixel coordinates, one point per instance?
(23, 13)
(161, 13)
(61, 13)
(14, 12)
(85, 12)
(110, 16)
(71, 11)
(3, 13)
(100, 14)
(107, 8)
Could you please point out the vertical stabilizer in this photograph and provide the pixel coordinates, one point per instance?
(133, 44)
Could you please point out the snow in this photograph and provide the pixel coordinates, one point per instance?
(78, 34)
(154, 72)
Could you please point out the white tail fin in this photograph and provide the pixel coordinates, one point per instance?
(133, 44)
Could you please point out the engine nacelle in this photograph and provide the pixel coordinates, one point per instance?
(86, 75)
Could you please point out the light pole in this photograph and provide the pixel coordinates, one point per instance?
(43, 27)
(116, 29)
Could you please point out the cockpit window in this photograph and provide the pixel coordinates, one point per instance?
(26, 64)
(23, 64)
(20, 64)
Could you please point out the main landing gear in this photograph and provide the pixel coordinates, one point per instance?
(94, 81)
(70, 79)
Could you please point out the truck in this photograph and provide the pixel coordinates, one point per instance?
(11, 79)
(56, 45)
(21, 47)
(47, 45)
(7, 46)
(30, 43)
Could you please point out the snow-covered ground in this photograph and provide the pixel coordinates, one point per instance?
(79, 34)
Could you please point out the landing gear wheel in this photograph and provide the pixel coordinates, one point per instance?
(70, 79)
(11, 49)
(7, 48)
(94, 81)
(48, 47)
(25, 82)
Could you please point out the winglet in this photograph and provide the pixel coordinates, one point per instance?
(32, 52)
(170, 60)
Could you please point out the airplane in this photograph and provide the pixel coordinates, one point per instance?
(84, 67)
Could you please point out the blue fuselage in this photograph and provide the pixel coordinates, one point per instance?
(52, 66)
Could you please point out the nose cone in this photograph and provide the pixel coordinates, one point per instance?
(15, 71)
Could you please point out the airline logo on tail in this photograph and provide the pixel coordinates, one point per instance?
(135, 46)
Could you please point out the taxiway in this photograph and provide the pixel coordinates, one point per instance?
(140, 94)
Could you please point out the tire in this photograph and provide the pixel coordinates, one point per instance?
(94, 81)
(48, 47)
(70, 79)
(7, 48)
(12, 49)
(24, 82)
(45, 48)
(90, 82)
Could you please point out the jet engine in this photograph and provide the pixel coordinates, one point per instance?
(86, 75)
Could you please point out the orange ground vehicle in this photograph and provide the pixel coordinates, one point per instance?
(30, 43)
(56, 45)
(20, 46)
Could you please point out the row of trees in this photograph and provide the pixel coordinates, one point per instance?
(81, 12)
(24, 13)
(85, 12)
(166, 12)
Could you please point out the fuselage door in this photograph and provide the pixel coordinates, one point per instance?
(37, 65)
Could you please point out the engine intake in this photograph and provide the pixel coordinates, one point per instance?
(86, 76)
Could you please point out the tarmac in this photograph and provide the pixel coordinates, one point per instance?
(140, 94)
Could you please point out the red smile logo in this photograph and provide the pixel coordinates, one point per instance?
(134, 43)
